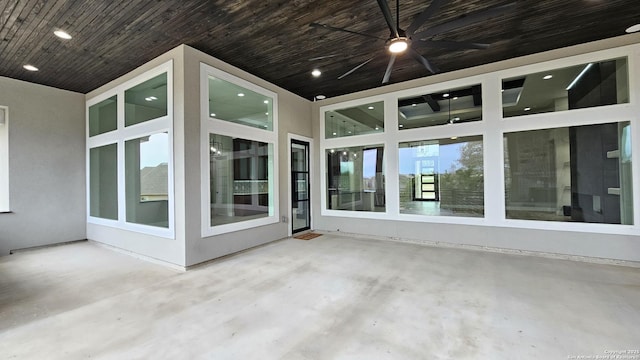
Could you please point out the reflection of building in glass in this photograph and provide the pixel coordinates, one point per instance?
(153, 183)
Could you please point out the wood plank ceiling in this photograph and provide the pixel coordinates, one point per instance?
(273, 39)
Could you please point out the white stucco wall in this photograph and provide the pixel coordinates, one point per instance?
(46, 166)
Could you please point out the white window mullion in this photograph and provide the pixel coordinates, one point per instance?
(493, 151)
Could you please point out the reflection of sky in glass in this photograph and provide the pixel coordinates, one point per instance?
(625, 140)
(369, 163)
(155, 151)
(449, 155)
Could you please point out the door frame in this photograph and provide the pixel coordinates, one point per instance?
(290, 137)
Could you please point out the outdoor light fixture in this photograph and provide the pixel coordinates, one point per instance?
(316, 72)
(30, 67)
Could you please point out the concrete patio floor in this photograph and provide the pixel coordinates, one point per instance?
(333, 297)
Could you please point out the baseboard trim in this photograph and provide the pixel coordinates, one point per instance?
(32, 248)
(140, 257)
(578, 258)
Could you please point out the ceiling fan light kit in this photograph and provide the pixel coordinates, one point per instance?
(398, 45)
(411, 40)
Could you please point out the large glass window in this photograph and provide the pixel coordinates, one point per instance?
(103, 116)
(355, 178)
(241, 179)
(147, 180)
(146, 101)
(237, 104)
(442, 177)
(574, 87)
(130, 180)
(441, 108)
(578, 174)
(103, 182)
(357, 120)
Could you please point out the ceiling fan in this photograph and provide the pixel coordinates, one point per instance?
(409, 40)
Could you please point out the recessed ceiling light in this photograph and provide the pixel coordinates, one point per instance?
(266, 113)
(62, 34)
(349, 132)
(370, 108)
(502, 90)
(316, 72)
(320, 97)
(213, 114)
(334, 134)
(527, 109)
(456, 119)
(30, 67)
(547, 77)
(401, 126)
(454, 98)
(413, 105)
(240, 94)
(377, 128)
(332, 151)
(151, 98)
(445, 95)
(266, 101)
(344, 153)
(634, 28)
(454, 137)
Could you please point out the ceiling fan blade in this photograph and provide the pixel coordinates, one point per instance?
(332, 28)
(452, 45)
(386, 12)
(424, 16)
(465, 21)
(421, 59)
(323, 57)
(387, 74)
(355, 68)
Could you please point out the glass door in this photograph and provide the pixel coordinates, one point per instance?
(300, 187)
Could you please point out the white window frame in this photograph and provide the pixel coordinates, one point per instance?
(124, 133)
(492, 128)
(4, 160)
(209, 125)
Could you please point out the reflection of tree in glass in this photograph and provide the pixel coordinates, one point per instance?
(462, 186)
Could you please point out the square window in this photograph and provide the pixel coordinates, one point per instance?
(240, 179)
(442, 177)
(146, 101)
(357, 120)
(103, 116)
(237, 104)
